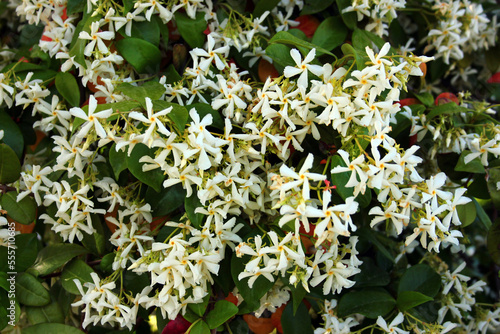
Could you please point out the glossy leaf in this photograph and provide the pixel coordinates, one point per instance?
(67, 86)
(467, 213)
(118, 160)
(192, 30)
(51, 328)
(153, 178)
(473, 166)
(95, 242)
(146, 30)
(23, 212)
(410, 299)
(190, 204)
(420, 278)
(75, 6)
(280, 54)
(330, 34)
(142, 55)
(26, 255)
(493, 179)
(493, 242)
(10, 167)
(445, 109)
(264, 5)
(284, 37)
(200, 327)
(298, 323)
(482, 216)
(350, 18)
(315, 6)
(371, 275)
(222, 312)
(179, 114)
(152, 89)
(55, 256)
(30, 292)
(12, 135)
(200, 308)
(426, 98)
(370, 302)
(51, 313)
(76, 269)
(167, 200)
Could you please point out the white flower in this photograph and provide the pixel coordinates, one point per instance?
(91, 118)
(302, 67)
(392, 327)
(96, 37)
(153, 120)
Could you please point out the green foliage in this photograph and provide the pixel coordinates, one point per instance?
(370, 302)
(10, 167)
(55, 256)
(23, 212)
(76, 269)
(67, 86)
(142, 55)
(191, 30)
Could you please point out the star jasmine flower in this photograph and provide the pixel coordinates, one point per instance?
(92, 119)
(96, 37)
(153, 121)
(302, 67)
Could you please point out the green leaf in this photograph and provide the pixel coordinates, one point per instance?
(370, 302)
(467, 213)
(153, 178)
(476, 188)
(204, 109)
(4, 284)
(167, 200)
(200, 327)
(192, 30)
(67, 86)
(482, 216)
(280, 54)
(330, 33)
(30, 292)
(12, 135)
(371, 236)
(142, 55)
(371, 275)
(77, 45)
(146, 30)
(55, 256)
(252, 295)
(284, 37)
(10, 167)
(51, 313)
(190, 204)
(298, 322)
(31, 34)
(347, 49)
(75, 6)
(350, 18)
(222, 312)
(445, 109)
(172, 75)
(26, 255)
(426, 98)
(76, 269)
(315, 6)
(264, 5)
(409, 299)
(23, 212)
(200, 308)
(106, 264)
(179, 114)
(152, 89)
(51, 328)
(118, 160)
(493, 242)
(341, 179)
(362, 38)
(493, 179)
(420, 278)
(474, 166)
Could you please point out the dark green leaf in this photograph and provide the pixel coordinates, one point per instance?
(445, 109)
(420, 278)
(31, 34)
(370, 302)
(147, 30)
(142, 55)
(284, 37)
(330, 33)
(252, 295)
(23, 212)
(67, 86)
(370, 235)
(476, 188)
(151, 89)
(315, 6)
(222, 312)
(298, 322)
(30, 292)
(410, 299)
(12, 135)
(371, 275)
(341, 179)
(264, 5)
(26, 255)
(482, 216)
(51, 328)
(493, 242)
(350, 18)
(76, 269)
(77, 45)
(200, 327)
(106, 264)
(172, 75)
(51, 313)
(75, 6)
(474, 166)
(192, 30)
(467, 213)
(10, 167)
(347, 49)
(362, 38)
(179, 114)
(55, 256)
(280, 54)
(200, 308)
(153, 178)
(190, 204)
(167, 200)
(118, 160)
(493, 179)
